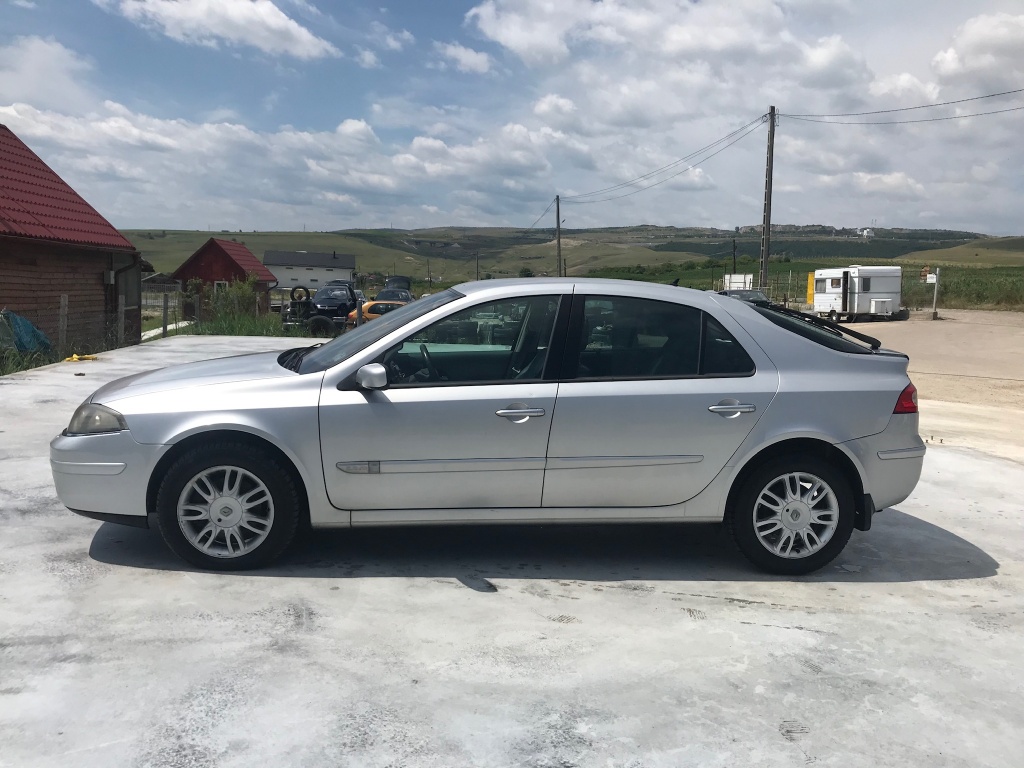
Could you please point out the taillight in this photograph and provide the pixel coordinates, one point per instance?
(907, 402)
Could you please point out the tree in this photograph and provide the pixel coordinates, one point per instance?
(526, 272)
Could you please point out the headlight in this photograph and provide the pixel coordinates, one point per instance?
(94, 419)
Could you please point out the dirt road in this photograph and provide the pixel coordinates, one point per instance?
(969, 370)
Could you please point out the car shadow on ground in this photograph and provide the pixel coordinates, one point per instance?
(900, 547)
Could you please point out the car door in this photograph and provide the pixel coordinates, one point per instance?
(655, 398)
(463, 423)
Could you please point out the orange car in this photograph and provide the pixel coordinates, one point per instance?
(372, 310)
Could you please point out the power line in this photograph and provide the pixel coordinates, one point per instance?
(543, 214)
(673, 164)
(907, 109)
(667, 178)
(901, 122)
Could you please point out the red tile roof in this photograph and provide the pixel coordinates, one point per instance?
(244, 258)
(36, 202)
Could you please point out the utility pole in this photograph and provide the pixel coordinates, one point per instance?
(766, 226)
(734, 255)
(558, 236)
(478, 265)
(429, 281)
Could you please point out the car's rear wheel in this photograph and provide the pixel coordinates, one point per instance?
(793, 515)
(227, 506)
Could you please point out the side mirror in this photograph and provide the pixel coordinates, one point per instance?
(372, 376)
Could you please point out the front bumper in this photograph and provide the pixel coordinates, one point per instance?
(103, 474)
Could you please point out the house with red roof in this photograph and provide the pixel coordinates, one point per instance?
(53, 244)
(220, 262)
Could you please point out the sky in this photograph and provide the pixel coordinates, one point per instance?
(327, 114)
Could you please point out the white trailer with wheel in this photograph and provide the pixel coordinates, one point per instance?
(856, 292)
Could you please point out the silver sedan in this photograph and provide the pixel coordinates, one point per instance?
(513, 401)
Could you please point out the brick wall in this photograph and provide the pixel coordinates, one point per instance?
(33, 275)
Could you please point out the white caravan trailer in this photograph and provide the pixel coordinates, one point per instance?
(858, 292)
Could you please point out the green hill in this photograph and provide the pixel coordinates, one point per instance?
(996, 251)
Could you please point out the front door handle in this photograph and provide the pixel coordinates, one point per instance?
(517, 413)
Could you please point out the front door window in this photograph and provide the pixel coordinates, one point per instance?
(503, 341)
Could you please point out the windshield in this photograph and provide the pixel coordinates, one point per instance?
(358, 339)
(394, 294)
(332, 292)
(746, 295)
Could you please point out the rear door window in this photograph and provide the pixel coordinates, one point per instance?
(618, 337)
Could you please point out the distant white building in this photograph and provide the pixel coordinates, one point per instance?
(307, 268)
(866, 233)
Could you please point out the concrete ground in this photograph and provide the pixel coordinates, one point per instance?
(595, 646)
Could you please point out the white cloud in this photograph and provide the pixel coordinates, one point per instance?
(465, 59)
(904, 86)
(367, 59)
(553, 104)
(535, 30)
(257, 23)
(892, 185)
(222, 115)
(26, 4)
(987, 51)
(388, 39)
(45, 73)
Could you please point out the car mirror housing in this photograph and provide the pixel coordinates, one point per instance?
(372, 376)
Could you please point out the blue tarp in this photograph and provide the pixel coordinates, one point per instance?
(25, 337)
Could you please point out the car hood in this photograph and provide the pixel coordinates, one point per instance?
(262, 365)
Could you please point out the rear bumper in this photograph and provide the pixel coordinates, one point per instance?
(891, 460)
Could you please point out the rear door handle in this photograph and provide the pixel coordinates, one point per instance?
(732, 409)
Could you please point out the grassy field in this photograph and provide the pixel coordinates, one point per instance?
(1001, 251)
(961, 287)
(978, 271)
(168, 249)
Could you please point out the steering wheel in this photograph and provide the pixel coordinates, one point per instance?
(429, 361)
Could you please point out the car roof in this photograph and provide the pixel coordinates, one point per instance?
(587, 285)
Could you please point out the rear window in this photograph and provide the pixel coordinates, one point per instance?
(813, 332)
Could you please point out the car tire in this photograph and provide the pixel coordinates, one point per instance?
(321, 327)
(833, 316)
(814, 529)
(256, 495)
(300, 293)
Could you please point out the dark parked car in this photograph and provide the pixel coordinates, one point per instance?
(324, 314)
(393, 294)
(752, 295)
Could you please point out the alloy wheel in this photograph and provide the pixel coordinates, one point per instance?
(795, 515)
(225, 511)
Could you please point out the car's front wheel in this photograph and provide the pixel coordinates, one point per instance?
(227, 506)
(793, 515)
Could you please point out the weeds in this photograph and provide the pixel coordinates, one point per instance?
(236, 310)
(12, 361)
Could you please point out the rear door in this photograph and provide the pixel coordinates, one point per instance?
(654, 399)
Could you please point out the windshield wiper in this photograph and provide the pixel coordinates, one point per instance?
(834, 328)
(293, 357)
